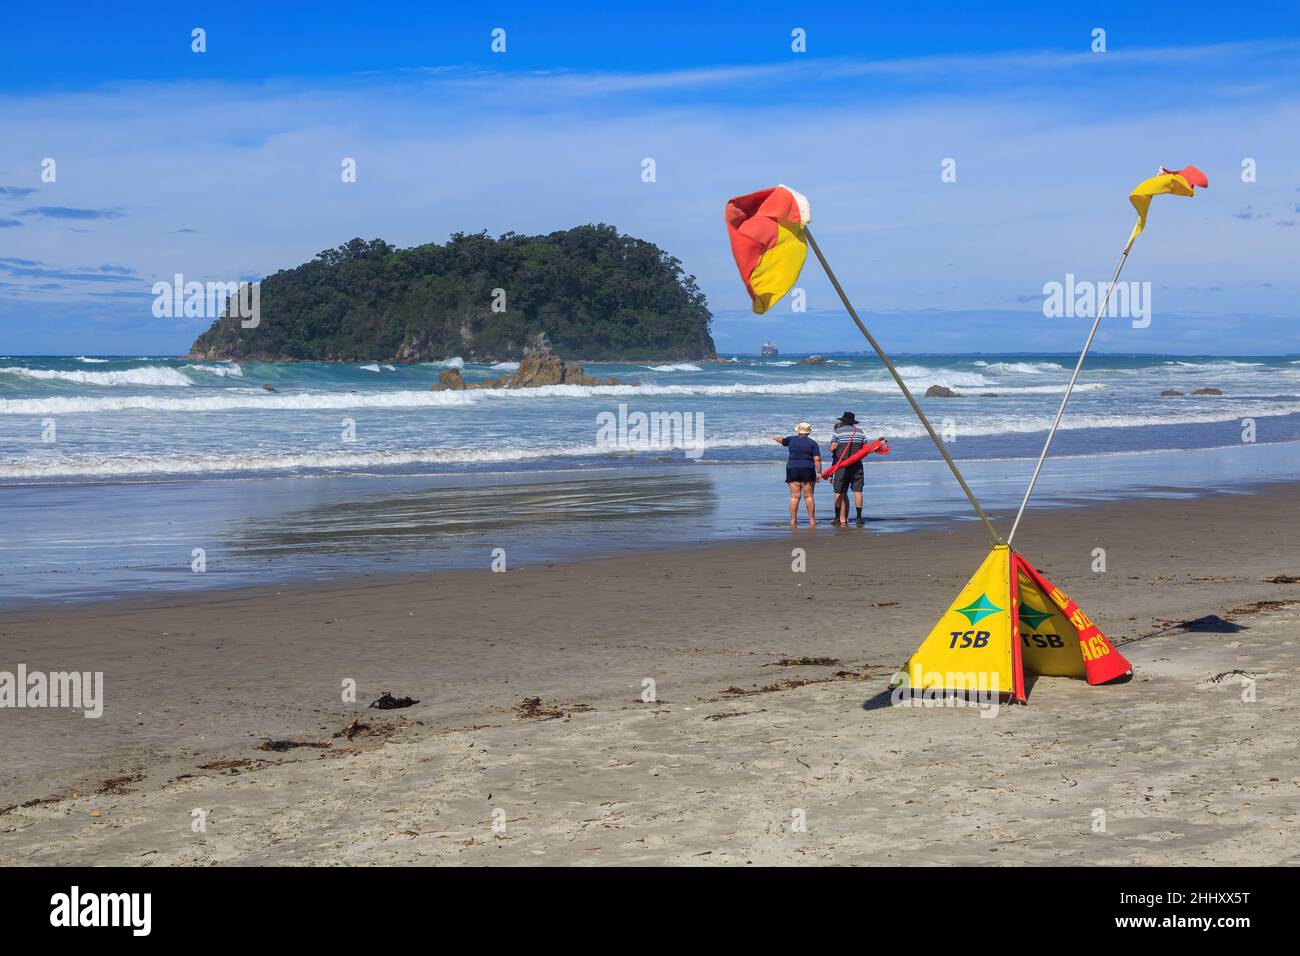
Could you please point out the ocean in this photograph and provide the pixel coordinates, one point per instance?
(118, 473)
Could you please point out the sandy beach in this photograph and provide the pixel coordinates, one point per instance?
(737, 750)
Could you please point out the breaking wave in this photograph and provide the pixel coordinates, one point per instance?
(36, 467)
(224, 371)
(1024, 368)
(150, 376)
(249, 398)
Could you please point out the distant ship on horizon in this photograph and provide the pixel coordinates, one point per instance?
(770, 349)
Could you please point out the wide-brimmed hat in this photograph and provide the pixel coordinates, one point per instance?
(848, 418)
(803, 428)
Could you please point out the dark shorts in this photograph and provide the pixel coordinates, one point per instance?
(806, 475)
(850, 478)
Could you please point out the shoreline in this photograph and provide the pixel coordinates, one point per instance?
(341, 528)
(195, 684)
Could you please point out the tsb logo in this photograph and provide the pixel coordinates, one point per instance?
(969, 639)
(1042, 640)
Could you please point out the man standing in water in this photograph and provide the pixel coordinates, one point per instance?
(845, 440)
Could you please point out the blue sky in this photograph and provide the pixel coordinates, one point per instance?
(225, 164)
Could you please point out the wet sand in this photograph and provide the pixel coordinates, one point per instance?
(1174, 763)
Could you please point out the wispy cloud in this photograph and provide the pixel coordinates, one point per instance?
(990, 66)
(68, 212)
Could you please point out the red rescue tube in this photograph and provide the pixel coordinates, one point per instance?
(877, 446)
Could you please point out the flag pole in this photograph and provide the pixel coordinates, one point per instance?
(830, 274)
(1051, 433)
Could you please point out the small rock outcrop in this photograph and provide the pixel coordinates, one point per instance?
(940, 391)
(450, 379)
(547, 369)
(1208, 391)
(815, 360)
(1170, 393)
(535, 371)
(539, 369)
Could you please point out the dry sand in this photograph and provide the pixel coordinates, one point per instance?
(1183, 769)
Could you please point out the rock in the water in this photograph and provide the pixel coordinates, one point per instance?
(534, 371)
(538, 369)
(1170, 393)
(574, 375)
(451, 379)
(268, 387)
(1208, 391)
(815, 360)
(548, 369)
(940, 391)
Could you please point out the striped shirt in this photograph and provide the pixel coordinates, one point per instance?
(850, 438)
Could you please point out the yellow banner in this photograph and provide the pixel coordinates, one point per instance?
(970, 648)
(1049, 643)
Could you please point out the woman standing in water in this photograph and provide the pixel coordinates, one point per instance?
(801, 470)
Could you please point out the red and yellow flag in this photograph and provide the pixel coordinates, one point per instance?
(1178, 182)
(766, 229)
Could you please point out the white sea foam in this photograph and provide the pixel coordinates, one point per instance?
(92, 361)
(1023, 368)
(1217, 365)
(225, 371)
(248, 398)
(506, 366)
(679, 367)
(150, 375)
(60, 466)
(895, 426)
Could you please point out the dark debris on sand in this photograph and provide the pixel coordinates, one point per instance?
(531, 708)
(230, 763)
(359, 729)
(1259, 606)
(387, 701)
(806, 662)
(791, 683)
(118, 785)
(724, 714)
(280, 746)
